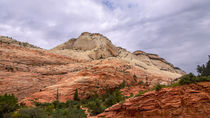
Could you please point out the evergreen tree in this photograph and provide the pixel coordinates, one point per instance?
(204, 70)
(76, 98)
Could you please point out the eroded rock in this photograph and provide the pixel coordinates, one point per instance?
(188, 101)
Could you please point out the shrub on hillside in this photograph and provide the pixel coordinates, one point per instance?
(30, 113)
(191, 78)
(8, 103)
(97, 104)
(76, 113)
(187, 79)
(68, 113)
(158, 87)
(203, 79)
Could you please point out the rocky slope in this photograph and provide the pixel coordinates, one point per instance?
(188, 101)
(95, 46)
(9, 40)
(89, 46)
(90, 63)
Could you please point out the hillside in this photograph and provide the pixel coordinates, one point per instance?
(89, 63)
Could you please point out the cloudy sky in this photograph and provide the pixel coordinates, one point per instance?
(177, 30)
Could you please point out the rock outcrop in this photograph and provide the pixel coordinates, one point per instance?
(90, 63)
(94, 46)
(188, 101)
(159, 62)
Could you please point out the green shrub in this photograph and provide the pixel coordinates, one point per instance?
(203, 79)
(135, 77)
(8, 103)
(131, 95)
(191, 78)
(187, 79)
(158, 87)
(69, 113)
(141, 93)
(73, 104)
(76, 113)
(96, 106)
(141, 82)
(60, 113)
(31, 113)
(49, 108)
(174, 84)
(122, 85)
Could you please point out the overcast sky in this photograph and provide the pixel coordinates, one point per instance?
(177, 30)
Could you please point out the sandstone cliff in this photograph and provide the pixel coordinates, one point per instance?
(89, 46)
(96, 46)
(90, 63)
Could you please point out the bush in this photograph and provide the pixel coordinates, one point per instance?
(135, 77)
(122, 85)
(31, 113)
(203, 79)
(187, 79)
(69, 113)
(141, 82)
(70, 109)
(8, 103)
(158, 87)
(174, 84)
(141, 93)
(76, 113)
(191, 78)
(97, 104)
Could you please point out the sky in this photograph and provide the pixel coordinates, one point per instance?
(177, 30)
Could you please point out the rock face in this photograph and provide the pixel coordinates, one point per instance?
(90, 63)
(25, 70)
(95, 45)
(159, 62)
(189, 101)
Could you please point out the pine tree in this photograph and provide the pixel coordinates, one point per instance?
(204, 70)
(76, 98)
(57, 95)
